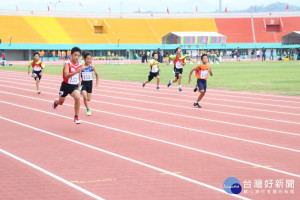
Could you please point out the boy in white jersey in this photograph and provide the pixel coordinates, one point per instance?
(154, 70)
(87, 80)
(71, 72)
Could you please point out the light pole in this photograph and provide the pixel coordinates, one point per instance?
(118, 38)
(121, 8)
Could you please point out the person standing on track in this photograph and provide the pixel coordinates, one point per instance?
(201, 72)
(179, 62)
(37, 70)
(71, 72)
(154, 70)
(87, 80)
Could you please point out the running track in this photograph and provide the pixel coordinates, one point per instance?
(144, 144)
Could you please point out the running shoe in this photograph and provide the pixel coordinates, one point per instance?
(197, 104)
(53, 106)
(77, 120)
(89, 113)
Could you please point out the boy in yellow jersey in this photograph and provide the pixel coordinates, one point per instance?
(201, 72)
(179, 62)
(37, 70)
(154, 70)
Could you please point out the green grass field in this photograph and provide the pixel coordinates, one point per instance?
(267, 77)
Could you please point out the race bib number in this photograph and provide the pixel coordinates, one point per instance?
(154, 69)
(178, 65)
(87, 76)
(204, 74)
(74, 80)
(37, 68)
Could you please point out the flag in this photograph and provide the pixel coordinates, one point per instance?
(139, 10)
(287, 8)
(80, 4)
(48, 8)
(226, 10)
(109, 9)
(17, 8)
(168, 11)
(255, 8)
(196, 9)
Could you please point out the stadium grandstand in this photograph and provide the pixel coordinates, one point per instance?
(128, 33)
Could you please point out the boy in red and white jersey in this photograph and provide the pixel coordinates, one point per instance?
(71, 72)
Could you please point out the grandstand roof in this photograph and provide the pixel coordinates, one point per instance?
(194, 38)
(196, 34)
(291, 38)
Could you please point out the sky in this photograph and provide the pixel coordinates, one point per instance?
(130, 6)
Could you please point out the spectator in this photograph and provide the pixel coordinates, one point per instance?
(144, 56)
(298, 51)
(271, 55)
(252, 54)
(3, 55)
(59, 54)
(159, 55)
(258, 54)
(53, 55)
(63, 53)
(148, 56)
(263, 54)
(42, 53)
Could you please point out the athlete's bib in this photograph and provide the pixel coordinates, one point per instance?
(74, 80)
(178, 65)
(87, 76)
(204, 74)
(37, 68)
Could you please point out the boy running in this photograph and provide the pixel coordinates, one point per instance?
(201, 72)
(154, 70)
(37, 70)
(71, 72)
(179, 62)
(87, 80)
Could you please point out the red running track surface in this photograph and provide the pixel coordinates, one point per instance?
(136, 135)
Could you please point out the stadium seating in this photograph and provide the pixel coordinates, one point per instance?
(68, 30)
(237, 30)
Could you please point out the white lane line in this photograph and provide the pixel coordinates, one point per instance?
(47, 172)
(208, 98)
(122, 86)
(165, 124)
(199, 110)
(158, 140)
(138, 84)
(124, 158)
(205, 119)
(172, 99)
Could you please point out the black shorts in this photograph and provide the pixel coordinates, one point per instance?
(66, 89)
(37, 74)
(87, 86)
(177, 72)
(201, 83)
(152, 75)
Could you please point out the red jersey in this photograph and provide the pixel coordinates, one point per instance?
(74, 80)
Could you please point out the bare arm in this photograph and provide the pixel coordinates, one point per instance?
(96, 74)
(210, 72)
(29, 69)
(191, 74)
(42, 71)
